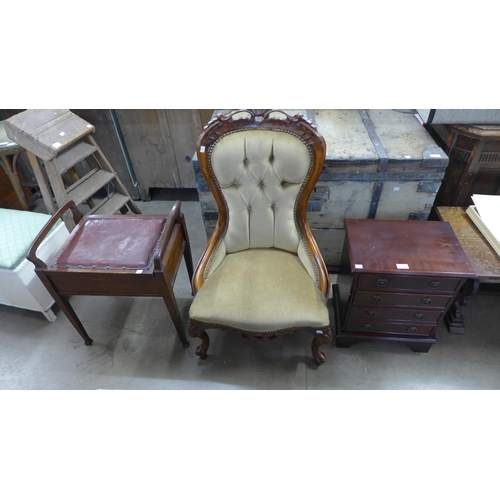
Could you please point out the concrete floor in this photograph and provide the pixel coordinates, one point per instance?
(136, 347)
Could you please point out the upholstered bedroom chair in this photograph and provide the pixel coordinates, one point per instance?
(133, 255)
(261, 273)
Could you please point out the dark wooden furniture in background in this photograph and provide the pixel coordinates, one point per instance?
(474, 163)
(397, 280)
(116, 255)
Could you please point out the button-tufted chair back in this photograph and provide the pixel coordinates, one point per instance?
(260, 174)
(262, 166)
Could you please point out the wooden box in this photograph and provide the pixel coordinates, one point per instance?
(380, 164)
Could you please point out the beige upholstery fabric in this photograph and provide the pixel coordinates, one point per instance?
(260, 290)
(260, 174)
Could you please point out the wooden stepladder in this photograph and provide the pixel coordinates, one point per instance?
(63, 140)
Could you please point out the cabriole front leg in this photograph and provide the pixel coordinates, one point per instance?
(195, 331)
(321, 337)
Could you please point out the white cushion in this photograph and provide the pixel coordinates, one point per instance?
(18, 229)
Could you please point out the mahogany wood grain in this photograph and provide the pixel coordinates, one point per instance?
(425, 247)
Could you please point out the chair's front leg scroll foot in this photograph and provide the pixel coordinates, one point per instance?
(320, 337)
(195, 331)
(89, 341)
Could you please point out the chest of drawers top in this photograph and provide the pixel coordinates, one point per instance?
(405, 247)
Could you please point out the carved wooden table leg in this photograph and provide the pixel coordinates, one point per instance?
(454, 318)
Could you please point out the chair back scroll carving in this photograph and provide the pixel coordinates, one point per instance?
(261, 166)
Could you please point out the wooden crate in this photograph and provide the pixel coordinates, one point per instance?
(380, 164)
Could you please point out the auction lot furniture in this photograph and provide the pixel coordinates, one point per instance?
(484, 260)
(261, 273)
(19, 285)
(397, 280)
(116, 255)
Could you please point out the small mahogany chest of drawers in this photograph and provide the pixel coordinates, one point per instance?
(397, 279)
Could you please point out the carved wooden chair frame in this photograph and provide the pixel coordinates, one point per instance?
(272, 120)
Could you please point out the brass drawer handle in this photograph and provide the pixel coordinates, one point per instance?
(382, 282)
(412, 329)
(370, 314)
(367, 326)
(376, 298)
(435, 284)
(419, 316)
(426, 301)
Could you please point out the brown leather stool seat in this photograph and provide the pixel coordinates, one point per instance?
(117, 255)
(112, 243)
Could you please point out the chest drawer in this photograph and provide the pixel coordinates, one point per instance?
(362, 325)
(411, 283)
(401, 299)
(417, 315)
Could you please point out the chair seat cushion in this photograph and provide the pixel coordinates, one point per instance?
(114, 242)
(260, 290)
